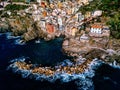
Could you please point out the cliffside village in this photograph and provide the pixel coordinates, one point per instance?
(64, 16)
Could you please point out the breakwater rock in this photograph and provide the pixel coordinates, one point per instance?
(107, 51)
(79, 70)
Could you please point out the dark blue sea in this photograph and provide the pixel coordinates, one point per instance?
(48, 53)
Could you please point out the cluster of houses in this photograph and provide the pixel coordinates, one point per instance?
(4, 3)
(64, 15)
(96, 31)
(59, 15)
(99, 30)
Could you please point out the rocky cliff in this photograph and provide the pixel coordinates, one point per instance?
(105, 50)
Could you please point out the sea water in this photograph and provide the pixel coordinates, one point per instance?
(99, 76)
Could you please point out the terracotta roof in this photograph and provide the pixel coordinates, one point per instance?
(96, 26)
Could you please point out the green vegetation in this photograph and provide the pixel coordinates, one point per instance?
(105, 5)
(18, 0)
(110, 10)
(1, 12)
(13, 7)
(114, 23)
(23, 0)
(113, 58)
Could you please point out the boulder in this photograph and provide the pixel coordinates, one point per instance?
(66, 43)
(97, 13)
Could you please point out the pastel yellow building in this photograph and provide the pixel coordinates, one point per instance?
(60, 5)
(52, 6)
(84, 2)
(88, 14)
(73, 31)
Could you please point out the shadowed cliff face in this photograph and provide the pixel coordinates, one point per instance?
(26, 27)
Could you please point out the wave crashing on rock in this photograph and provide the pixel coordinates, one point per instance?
(83, 80)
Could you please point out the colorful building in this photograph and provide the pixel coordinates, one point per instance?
(43, 25)
(73, 31)
(38, 1)
(96, 29)
(44, 13)
(88, 14)
(59, 4)
(43, 4)
(60, 23)
(85, 1)
(50, 28)
(97, 13)
(99, 30)
(84, 38)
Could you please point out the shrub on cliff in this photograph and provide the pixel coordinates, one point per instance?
(114, 23)
(18, 0)
(13, 7)
(1, 12)
(110, 10)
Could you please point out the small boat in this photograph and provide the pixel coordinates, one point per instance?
(37, 41)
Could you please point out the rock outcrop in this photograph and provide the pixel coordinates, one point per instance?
(4, 26)
(107, 50)
(66, 43)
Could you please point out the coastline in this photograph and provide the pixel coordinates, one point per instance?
(24, 25)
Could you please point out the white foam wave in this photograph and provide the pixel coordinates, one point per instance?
(37, 41)
(114, 64)
(7, 34)
(19, 42)
(86, 82)
(10, 36)
(66, 62)
(83, 80)
(22, 59)
(1, 34)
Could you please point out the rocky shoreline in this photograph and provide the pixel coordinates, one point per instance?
(24, 24)
(66, 71)
(107, 53)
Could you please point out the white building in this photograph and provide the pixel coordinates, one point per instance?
(85, 1)
(79, 17)
(96, 29)
(60, 23)
(99, 30)
(43, 24)
(84, 38)
(38, 1)
(97, 13)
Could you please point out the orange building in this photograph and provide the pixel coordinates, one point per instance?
(73, 31)
(43, 4)
(60, 5)
(96, 28)
(44, 13)
(50, 28)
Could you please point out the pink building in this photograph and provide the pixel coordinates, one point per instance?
(50, 28)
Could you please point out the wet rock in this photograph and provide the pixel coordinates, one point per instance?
(29, 35)
(57, 34)
(49, 37)
(66, 43)
(111, 52)
(4, 27)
